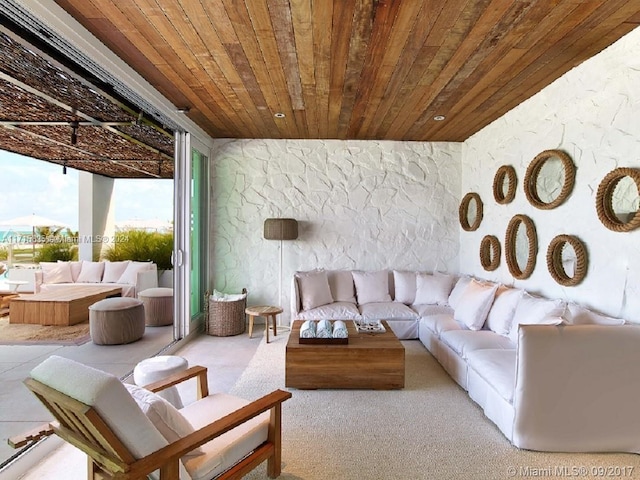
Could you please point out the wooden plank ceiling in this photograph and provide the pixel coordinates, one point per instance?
(352, 69)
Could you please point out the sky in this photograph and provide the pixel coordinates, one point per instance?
(33, 186)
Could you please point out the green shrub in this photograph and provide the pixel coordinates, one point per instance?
(52, 252)
(142, 246)
(4, 253)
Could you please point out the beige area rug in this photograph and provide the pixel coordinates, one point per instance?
(23, 334)
(428, 430)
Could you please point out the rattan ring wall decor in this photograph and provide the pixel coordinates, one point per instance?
(506, 173)
(554, 260)
(463, 212)
(604, 200)
(490, 253)
(510, 246)
(533, 171)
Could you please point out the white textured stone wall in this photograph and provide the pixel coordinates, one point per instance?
(592, 113)
(360, 205)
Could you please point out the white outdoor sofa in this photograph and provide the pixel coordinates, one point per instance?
(552, 376)
(132, 277)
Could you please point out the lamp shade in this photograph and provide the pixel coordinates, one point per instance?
(280, 229)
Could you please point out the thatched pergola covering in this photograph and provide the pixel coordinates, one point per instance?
(54, 114)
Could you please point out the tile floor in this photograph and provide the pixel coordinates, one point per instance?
(225, 358)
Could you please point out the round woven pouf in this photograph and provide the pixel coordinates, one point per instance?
(158, 306)
(117, 320)
(158, 368)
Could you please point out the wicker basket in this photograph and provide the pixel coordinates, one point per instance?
(226, 318)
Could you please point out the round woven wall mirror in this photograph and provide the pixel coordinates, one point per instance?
(504, 184)
(567, 260)
(470, 212)
(521, 246)
(549, 179)
(490, 253)
(617, 200)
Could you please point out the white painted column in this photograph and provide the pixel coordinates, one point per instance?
(96, 214)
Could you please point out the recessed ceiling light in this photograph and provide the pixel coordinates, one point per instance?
(279, 115)
(439, 118)
(183, 109)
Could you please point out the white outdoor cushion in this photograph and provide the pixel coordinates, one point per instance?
(76, 267)
(387, 311)
(130, 274)
(474, 304)
(440, 323)
(497, 368)
(113, 271)
(341, 284)
(109, 397)
(465, 341)
(425, 310)
(536, 311)
(405, 287)
(433, 289)
(334, 311)
(53, 272)
(226, 450)
(91, 272)
(458, 288)
(578, 315)
(165, 417)
(372, 286)
(314, 289)
(503, 309)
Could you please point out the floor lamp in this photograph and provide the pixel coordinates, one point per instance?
(280, 229)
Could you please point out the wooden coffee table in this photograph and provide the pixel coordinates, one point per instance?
(369, 360)
(67, 306)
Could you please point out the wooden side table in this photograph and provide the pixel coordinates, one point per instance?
(267, 312)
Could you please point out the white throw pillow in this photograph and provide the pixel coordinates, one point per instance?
(474, 304)
(433, 289)
(405, 287)
(56, 272)
(314, 289)
(459, 287)
(167, 419)
(76, 268)
(372, 286)
(503, 309)
(341, 285)
(579, 315)
(536, 311)
(91, 272)
(130, 274)
(113, 271)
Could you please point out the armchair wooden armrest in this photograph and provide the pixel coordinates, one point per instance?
(197, 371)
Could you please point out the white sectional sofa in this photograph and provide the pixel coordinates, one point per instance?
(553, 376)
(132, 277)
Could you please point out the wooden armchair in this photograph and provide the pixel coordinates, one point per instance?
(96, 413)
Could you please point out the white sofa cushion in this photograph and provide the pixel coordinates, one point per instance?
(53, 272)
(341, 285)
(474, 304)
(226, 450)
(440, 323)
(387, 311)
(314, 289)
(130, 274)
(113, 271)
(405, 287)
(536, 311)
(579, 315)
(503, 309)
(372, 286)
(497, 368)
(457, 290)
(433, 288)
(76, 268)
(425, 310)
(465, 341)
(333, 311)
(91, 272)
